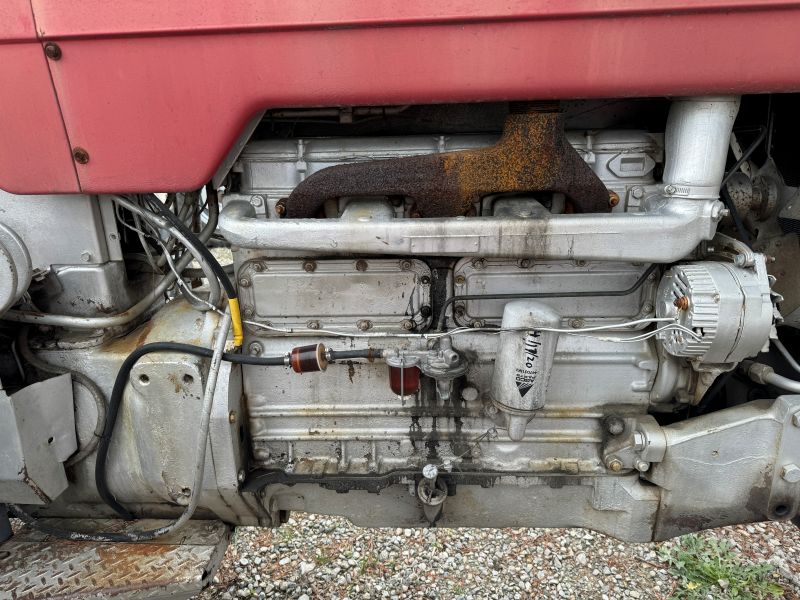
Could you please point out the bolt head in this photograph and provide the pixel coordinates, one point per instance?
(642, 465)
(255, 349)
(80, 156)
(790, 473)
(613, 199)
(637, 193)
(796, 419)
(614, 464)
(430, 471)
(460, 280)
(86, 256)
(361, 265)
(244, 282)
(364, 325)
(405, 265)
(52, 51)
(309, 266)
(479, 263)
(312, 325)
(407, 324)
(232, 417)
(256, 200)
(670, 189)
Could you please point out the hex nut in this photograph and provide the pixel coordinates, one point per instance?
(642, 465)
(614, 464)
(790, 473)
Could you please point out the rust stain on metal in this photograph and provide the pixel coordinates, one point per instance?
(681, 303)
(533, 155)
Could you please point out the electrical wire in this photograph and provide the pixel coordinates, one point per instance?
(195, 246)
(135, 311)
(459, 330)
(120, 384)
(534, 295)
(199, 469)
(94, 391)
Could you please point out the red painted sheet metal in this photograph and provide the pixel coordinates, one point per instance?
(34, 152)
(157, 109)
(93, 18)
(16, 21)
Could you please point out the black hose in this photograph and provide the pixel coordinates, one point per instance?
(368, 353)
(115, 401)
(201, 248)
(532, 295)
(190, 273)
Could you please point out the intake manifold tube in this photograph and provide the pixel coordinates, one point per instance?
(533, 155)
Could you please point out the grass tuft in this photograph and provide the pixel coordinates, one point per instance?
(709, 567)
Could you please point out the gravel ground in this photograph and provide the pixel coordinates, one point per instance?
(327, 557)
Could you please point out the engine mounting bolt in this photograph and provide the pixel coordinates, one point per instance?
(52, 51)
(681, 303)
(405, 265)
(364, 325)
(670, 189)
(790, 473)
(642, 466)
(232, 417)
(576, 323)
(255, 349)
(361, 265)
(407, 324)
(312, 325)
(244, 282)
(637, 192)
(615, 425)
(614, 464)
(256, 200)
(460, 280)
(309, 266)
(80, 156)
(613, 199)
(479, 264)
(86, 256)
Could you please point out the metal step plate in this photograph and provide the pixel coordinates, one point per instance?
(34, 565)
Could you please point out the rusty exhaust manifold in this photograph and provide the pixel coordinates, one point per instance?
(533, 155)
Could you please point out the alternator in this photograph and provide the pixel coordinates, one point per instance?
(728, 308)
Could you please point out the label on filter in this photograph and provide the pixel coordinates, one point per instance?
(526, 374)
